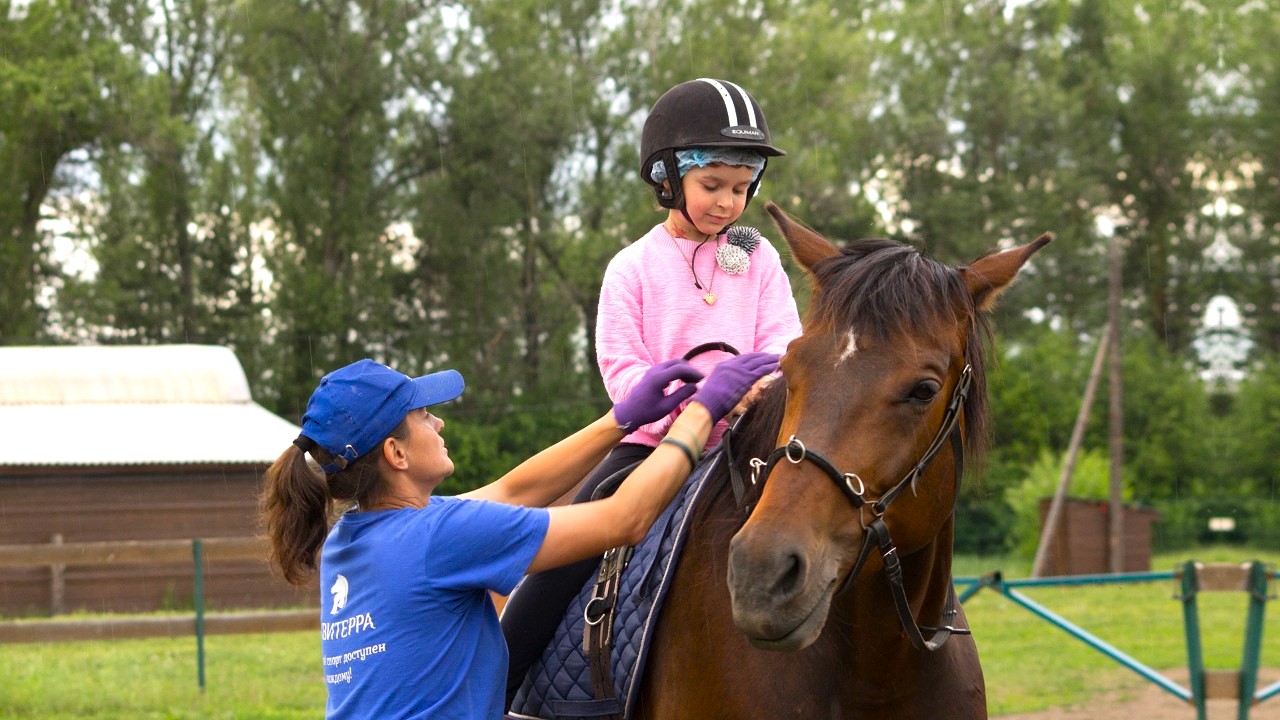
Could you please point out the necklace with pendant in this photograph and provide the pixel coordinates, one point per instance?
(708, 296)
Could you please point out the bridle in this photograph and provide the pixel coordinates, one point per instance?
(874, 530)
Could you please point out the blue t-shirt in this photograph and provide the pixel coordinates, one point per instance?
(407, 627)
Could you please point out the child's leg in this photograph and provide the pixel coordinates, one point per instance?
(532, 614)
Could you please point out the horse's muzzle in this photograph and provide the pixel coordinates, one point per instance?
(779, 599)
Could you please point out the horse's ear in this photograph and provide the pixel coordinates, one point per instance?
(989, 275)
(807, 246)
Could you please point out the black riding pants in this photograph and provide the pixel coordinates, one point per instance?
(532, 614)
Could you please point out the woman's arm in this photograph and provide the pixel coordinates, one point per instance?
(553, 472)
(585, 529)
(579, 531)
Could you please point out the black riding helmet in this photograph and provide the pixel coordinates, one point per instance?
(701, 113)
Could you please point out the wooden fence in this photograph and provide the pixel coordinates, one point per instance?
(58, 555)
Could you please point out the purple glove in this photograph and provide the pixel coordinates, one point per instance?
(732, 379)
(649, 402)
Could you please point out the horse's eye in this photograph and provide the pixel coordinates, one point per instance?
(924, 391)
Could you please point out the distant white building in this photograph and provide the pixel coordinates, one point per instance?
(133, 443)
(132, 405)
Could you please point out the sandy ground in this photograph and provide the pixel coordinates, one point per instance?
(1152, 703)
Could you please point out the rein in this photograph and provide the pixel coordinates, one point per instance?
(875, 531)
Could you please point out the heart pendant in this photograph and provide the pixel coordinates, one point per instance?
(709, 298)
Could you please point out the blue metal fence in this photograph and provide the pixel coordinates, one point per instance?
(1193, 578)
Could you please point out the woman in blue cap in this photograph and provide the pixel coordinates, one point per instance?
(408, 629)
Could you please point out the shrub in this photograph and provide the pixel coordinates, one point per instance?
(1090, 480)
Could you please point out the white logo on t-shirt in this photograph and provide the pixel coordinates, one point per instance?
(339, 591)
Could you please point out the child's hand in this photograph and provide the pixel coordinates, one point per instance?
(731, 380)
(649, 400)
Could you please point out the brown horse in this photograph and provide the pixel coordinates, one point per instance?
(856, 450)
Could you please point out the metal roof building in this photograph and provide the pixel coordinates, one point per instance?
(133, 443)
(135, 405)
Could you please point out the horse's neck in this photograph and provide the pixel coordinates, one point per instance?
(718, 517)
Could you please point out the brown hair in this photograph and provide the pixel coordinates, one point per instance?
(299, 503)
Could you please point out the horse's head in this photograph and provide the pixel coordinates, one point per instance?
(891, 340)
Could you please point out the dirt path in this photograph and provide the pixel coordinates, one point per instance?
(1152, 703)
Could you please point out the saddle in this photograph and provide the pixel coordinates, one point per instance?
(593, 666)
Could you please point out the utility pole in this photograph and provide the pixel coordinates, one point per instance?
(1116, 423)
(1054, 514)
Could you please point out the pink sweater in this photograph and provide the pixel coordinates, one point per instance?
(650, 311)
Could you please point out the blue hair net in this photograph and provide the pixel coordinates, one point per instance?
(690, 158)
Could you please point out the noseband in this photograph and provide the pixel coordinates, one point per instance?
(874, 530)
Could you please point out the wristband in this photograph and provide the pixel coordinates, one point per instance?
(684, 447)
(697, 444)
(693, 438)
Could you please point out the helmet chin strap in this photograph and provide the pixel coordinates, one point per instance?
(694, 225)
(685, 213)
(670, 195)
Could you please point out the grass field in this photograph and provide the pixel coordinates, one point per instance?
(1029, 664)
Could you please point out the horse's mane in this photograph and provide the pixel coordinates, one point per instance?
(885, 288)
(752, 436)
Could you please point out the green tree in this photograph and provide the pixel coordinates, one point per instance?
(62, 83)
(1246, 449)
(170, 232)
(1251, 141)
(1162, 139)
(342, 94)
(488, 222)
(1035, 386)
(1172, 438)
(1249, 467)
(1174, 443)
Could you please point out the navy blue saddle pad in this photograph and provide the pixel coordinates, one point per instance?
(558, 686)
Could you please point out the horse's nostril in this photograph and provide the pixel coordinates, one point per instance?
(792, 576)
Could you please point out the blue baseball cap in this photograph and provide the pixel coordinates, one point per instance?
(356, 407)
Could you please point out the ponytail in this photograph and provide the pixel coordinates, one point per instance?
(298, 502)
(295, 508)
